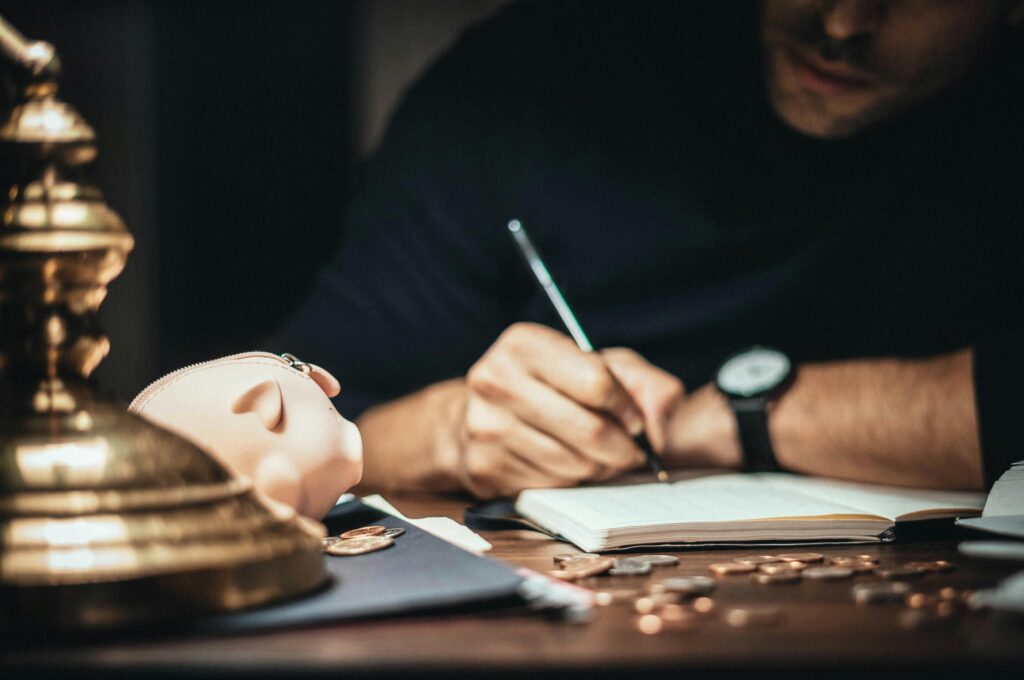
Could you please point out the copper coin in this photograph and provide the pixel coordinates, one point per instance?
(776, 579)
(572, 571)
(724, 568)
(780, 567)
(936, 565)
(801, 557)
(359, 546)
(748, 617)
(899, 573)
(363, 531)
(703, 605)
(858, 566)
(867, 558)
(649, 603)
(920, 600)
(827, 573)
(757, 559)
(604, 598)
(879, 593)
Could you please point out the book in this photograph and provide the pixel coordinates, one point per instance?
(736, 508)
(1004, 509)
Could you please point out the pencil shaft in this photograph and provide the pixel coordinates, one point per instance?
(547, 283)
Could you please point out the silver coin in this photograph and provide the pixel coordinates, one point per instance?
(879, 593)
(325, 543)
(565, 557)
(394, 532)
(827, 573)
(684, 585)
(630, 566)
(658, 560)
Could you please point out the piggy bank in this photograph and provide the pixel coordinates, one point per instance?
(265, 417)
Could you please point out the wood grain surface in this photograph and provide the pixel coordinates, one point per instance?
(822, 631)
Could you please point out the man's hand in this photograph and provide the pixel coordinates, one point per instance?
(539, 412)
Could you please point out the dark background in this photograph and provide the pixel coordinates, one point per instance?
(226, 143)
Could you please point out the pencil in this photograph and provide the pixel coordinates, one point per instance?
(565, 313)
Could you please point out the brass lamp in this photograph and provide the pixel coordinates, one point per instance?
(105, 519)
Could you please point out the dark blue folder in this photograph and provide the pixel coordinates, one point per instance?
(420, 574)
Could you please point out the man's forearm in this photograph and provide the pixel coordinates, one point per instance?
(408, 443)
(892, 421)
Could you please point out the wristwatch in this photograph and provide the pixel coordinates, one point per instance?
(750, 379)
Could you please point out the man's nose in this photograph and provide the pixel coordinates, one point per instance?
(845, 19)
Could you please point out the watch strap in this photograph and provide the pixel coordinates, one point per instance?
(755, 439)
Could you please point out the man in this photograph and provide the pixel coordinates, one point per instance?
(838, 180)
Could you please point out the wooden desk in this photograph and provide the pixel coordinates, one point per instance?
(822, 631)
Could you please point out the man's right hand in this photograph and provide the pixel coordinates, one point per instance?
(541, 413)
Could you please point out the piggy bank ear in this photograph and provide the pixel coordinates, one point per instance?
(327, 382)
(264, 399)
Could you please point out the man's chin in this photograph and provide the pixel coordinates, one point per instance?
(813, 116)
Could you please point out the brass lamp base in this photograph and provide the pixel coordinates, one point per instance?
(107, 520)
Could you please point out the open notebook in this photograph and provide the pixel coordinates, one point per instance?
(730, 508)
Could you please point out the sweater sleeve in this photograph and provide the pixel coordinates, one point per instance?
(999, 390)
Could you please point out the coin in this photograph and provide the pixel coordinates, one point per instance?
(363, 531)
(920, 600)
(774, 579)
(747, 617)
(827, 573)
(572, 571)
(780, 567)
(916, 619)
(658, 560)
(757, 559)
(801, 557)
(879, 593)
(649, 624)
(950, 594)
(394, 532)
(724, 568)
(648, 603)
(867, 558)
(935, 565)
(684, 585)
(329, 541)
(359, 545)
(899, 573)
(703, 605)
(564, 557)
(858, 566)
(630, 566)
(603, 598)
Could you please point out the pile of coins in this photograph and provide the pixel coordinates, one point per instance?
(681, 602)
(573, 567)
(361, 541)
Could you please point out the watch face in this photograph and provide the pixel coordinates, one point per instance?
(753, 373)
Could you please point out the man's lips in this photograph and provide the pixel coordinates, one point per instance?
(823, 78)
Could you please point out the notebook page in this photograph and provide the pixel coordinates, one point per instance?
(721, 498)
(891, 502)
